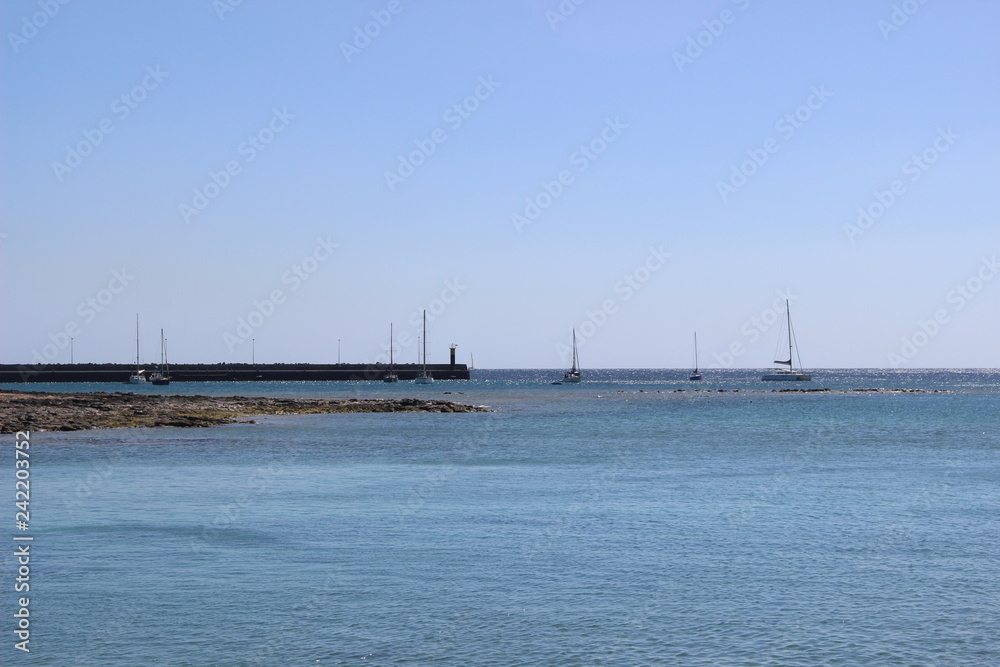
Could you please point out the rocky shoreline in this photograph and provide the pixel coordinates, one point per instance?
(43, 411)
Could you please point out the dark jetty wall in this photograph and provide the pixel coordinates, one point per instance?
(225, 372)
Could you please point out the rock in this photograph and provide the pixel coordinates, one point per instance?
(75, 411)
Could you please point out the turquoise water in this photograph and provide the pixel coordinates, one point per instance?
(613, 522)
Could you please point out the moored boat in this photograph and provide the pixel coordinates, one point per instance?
(391, 375)
(695, 374)
(161, 376)
(572, 376)
(139, 376)
(424, 377)
(788, 374)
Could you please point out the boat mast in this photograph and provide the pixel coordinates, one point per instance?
(695, 351)
(390, 347)
(137, 343)
(425, 343)
(575, 359)
(788, 316)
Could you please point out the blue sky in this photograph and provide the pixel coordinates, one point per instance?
(637, 170)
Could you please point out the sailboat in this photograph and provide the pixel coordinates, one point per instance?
(391, 375)
(161, 376)
(137, 377)
(572, 376)
(790, 372)
(424, 377)
(695, 374)
(472, 362)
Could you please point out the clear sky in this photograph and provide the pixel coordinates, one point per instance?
(299, 173)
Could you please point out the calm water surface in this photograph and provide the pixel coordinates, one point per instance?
(614, 522)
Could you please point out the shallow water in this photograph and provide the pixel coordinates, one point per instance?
(613, 522)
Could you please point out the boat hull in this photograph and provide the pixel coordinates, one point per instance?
(786, 376)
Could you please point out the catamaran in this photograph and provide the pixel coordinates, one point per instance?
(572, 376)
(788, 373)
(424, 377)
(161, 376)
(391, 375)
(695, 374)
(137, 377)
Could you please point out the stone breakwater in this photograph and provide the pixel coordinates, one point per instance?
(785, 391)
(41, 411)
(39, 371)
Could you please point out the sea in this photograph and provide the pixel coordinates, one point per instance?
(636, 518)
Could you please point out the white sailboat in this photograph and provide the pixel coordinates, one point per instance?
(137, 377)
(696, 374)
(391, 375)
(572, 376)
(424, 377)
(161, 376)
(788, 373)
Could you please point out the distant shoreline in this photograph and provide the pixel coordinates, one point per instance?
(45, 411)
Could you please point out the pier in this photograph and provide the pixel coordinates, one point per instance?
(227, 372)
